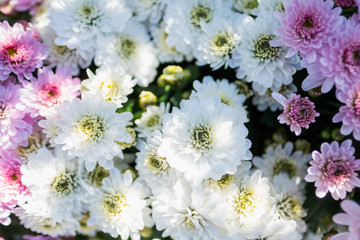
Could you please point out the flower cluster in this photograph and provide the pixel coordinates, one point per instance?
(100, 137)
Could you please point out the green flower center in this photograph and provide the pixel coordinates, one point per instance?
(126, 47)
(114, 204)
(156, 163)
(285, 165)
(223, 43)
(202, 138)
(244, 202)
(263, 50)
(65, 183)
(90, 128)
(200, 13)
(89, 14)
(97, 175)
(289, 208)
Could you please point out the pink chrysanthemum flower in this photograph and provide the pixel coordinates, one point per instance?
(298, 112)
(345, 3)
(12, 191)
(20, 52)
(351, 218)
(333, 169)
(349, 114)
(340, 60)
(306, 26)
(41, 95)
(11, 6)
(39, 237)
(15, 125)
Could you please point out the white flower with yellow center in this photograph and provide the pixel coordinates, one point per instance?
(89, 128)
(219, 40)
(260, 63)
(204, 139)
(183, 20)
(151, 167)
(114, 85)
(152, 119)
(119, 206)
(184, 213)
(131, 50)
(281, 159)
(247, 203)
(52, 178)
(80, 24)
(228, 93)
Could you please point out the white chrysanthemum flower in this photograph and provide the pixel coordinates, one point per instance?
(263, 65)
(289, 200)
(204, 139)
(114, 85)
(90, 129)
(219, 40)
(279, 159)
(165, 52)
(132, 50)
(53, 180)
(183, 20)
(80, 24)
(186, 213)
(152, 119)
(49, 128)
(271, 5)
(119, 206)
(246, 204)
(32, 220)
(151, 10)
(265, 101)
(228, 93)
(151, 167)
(62, 56)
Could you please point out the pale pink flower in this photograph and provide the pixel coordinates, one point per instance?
(334, 169)
(41, 95)
(15, 125)
(349, 114)
(20, 52)
(351, 218)
(345, 3)
(29, 237)
(298, 112)
(306, 26)
(12, 191)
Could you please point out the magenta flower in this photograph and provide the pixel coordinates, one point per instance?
(340, 60)
(349, 114)
(298, 112)
(20, 52)
(345, 3)
(15, 125)
(333, 170)
(306, 26)
(351, 218)
(12, 191)
(49, 90)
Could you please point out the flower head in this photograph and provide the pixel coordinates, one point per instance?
(333, 170)
(20, 52)
(306, 26)
(41, 95)
(298, 112)
(351, 218)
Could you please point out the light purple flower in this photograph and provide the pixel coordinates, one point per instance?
(29, 237)
(349, 114)
(351, 218)
(339, 62)
(20, 52)
(333, 169)
(15, 125)
(306, 26)
(43, 94)
(12, 191)
(298, 112)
